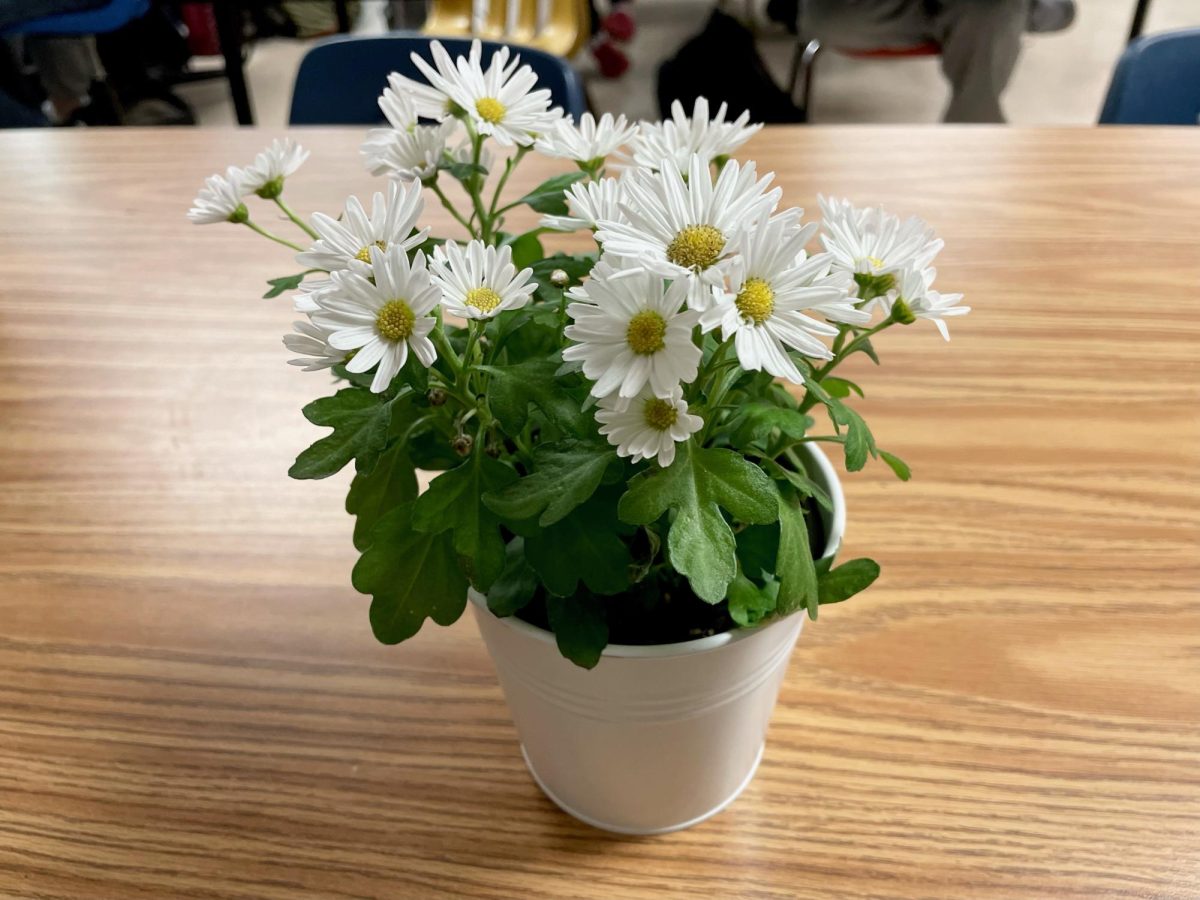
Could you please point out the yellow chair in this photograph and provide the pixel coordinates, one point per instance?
(560, 27)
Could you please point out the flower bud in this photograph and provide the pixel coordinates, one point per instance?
(271, 189)
(462, 444)
(902, 312)
(240, 215)
(559, 278)
(436, 397)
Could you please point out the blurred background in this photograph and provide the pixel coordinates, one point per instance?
(158, 62)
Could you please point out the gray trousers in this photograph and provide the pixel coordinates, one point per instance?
(980, 41)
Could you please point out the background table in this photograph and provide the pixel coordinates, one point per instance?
(191, 702)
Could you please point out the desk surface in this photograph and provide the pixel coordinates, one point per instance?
(191, 702)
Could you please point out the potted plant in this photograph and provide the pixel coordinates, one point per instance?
(628, 485)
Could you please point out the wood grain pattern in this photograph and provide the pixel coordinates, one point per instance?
(191, 702)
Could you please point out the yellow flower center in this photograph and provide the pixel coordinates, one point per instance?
(394, 321)
(696, 247)
(875, 261)
(659, 414)
(483, 299)
(490, 109)
(755, 301)
(646, 332)
(364, 255)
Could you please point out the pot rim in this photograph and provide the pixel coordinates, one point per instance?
(835, 528)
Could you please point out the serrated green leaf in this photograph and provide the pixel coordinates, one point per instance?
(548, 197)
(283, 284)
(359, 420)
(411, 576)
(696, 487)
(392, 483)
(801, 481)
(462, 171)
(514, 388)
(515, 587)
(794, 567)
(749, 603)
(759, 419)
(527, 249)
(453, 503)
(847, 580)
(358, 379)
(564, 475)
(840, 387)
(586, 547)
(580, 627)
(859, 440)
(896, 464)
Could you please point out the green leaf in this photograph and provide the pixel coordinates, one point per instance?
(580, 627)
(847, 580)
(759, 419)
(358, 379)
(514, 388)
(696, 487)
(758, 549)
(463, 171)
(840, 387)
(454, 502)
(749, 604)
(565, 474)
(896, 464)
(548, 197)
(585, 546)
(859, 441)
(527, 249)
(410, 576)
(795, 569)
(392, 483)
(515, 587)
(800, 480)
(284, 284)
(359, 420)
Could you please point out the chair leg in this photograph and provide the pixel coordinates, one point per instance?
(228, 14)
(803, 63)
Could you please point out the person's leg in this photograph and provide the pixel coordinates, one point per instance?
(66, 66)
(981, 40)
(864, 24)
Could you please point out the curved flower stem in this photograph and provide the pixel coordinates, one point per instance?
(287, 211)
(509, 166)
(272, 237)
(433, 186)
(818, 375)
(438, 336)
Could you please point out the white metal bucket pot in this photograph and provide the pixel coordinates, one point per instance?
(654, 738)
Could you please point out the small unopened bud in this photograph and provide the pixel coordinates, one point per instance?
(902, 312)
(493, 451)
(240, 215)
(559, 278)
(436, 397)
(462, 444)
(271, 189)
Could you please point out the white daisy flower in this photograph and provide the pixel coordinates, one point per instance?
(312, 343)
(647, 427)
(399, 106)
(265, 176)
(631, 331)
(772, 283)
(406, 155)
(588, 205)
(587, 143)
(382, 319)
(307, 298)
(479, 282)
(685, 229)
(220, 200)
(426, 102)
(872, 242)
(679, 137)
(914, 299)
(346, 244)
(500, 101)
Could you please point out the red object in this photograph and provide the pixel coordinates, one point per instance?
(612, 61)
(619, 24)
(202, 29)
(929, 48)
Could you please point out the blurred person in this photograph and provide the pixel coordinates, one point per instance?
(980, 39)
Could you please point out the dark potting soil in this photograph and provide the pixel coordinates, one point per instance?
(664, 610)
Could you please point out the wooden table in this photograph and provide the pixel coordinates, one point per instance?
(191, 702)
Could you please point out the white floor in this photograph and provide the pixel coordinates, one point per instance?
(1061, 78)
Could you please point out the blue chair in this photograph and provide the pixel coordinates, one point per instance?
(1157, 82)
(340, 79)
(110, 17)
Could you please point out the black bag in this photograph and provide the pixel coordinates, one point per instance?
(722, 64)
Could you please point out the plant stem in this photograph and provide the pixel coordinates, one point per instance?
(438, 336)
(810, 399)
(287, 211)
(272, 237)
(433, 186)
(510, 164)
(475, 188)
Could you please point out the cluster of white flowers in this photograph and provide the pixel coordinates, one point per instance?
(691, 243)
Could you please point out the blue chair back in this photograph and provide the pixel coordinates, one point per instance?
(340, 79)
(1156, 82)
(109, 17)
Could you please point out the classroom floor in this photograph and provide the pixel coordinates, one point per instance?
(1061, 78)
